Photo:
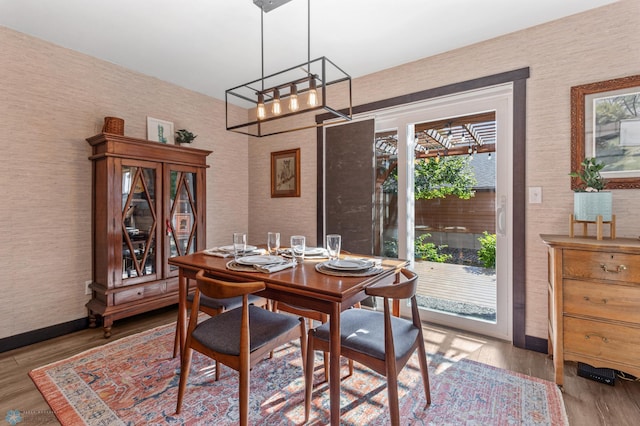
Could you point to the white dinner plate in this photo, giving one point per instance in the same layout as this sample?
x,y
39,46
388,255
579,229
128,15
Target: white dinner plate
x,y
349,264
259,260
314,251
231,249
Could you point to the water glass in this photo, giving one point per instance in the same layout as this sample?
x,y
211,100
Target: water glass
x,y
273,243
333,246
297,248
239,244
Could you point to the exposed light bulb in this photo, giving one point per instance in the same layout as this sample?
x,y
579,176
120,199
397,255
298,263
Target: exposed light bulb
x,y
313,93
293,99
275,108
261,113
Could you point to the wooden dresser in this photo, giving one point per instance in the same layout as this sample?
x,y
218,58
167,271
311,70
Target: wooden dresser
x,y
594,302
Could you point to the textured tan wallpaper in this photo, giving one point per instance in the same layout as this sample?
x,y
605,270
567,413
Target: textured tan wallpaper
x,y
593,46
52,98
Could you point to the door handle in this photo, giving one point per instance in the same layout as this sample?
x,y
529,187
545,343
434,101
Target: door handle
x,y
501,214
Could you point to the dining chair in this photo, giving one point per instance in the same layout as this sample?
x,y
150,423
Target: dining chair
x,y
378,340
213,307
311,316
238,338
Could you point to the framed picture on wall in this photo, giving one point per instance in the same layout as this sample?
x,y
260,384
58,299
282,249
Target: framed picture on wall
x,y
605,124
285,173
159,130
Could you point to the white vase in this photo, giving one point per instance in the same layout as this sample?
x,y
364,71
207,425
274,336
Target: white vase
x,y
588,205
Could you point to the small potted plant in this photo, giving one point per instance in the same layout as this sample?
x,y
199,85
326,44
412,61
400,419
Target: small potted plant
x,y
589,199
184,136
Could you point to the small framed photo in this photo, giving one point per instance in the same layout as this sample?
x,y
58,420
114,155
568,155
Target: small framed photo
x,y
183,224
160,130
285,173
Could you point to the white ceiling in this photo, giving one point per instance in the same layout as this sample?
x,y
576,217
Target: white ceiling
x,y
212,45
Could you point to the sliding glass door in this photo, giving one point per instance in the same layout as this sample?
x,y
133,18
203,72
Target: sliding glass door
x,y
450,192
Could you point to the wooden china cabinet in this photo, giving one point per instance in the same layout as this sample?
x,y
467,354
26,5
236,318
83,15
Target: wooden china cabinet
x,y
148,205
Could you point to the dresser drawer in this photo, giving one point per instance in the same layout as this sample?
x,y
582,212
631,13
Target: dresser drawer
x,y
610,301
610,342
600,265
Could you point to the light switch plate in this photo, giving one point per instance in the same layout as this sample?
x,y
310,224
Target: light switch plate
x,y
535,195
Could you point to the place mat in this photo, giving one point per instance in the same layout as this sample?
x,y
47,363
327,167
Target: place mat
x,y
320,267
232,265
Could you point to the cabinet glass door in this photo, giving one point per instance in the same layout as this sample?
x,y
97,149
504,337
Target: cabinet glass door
x,y
139,221
183,208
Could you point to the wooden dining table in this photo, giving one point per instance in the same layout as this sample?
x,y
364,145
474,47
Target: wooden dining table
x,y
301,285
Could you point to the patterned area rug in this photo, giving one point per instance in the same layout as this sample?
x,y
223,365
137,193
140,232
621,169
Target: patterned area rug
x,y
134,380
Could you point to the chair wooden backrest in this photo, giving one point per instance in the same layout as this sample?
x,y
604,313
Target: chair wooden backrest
x,y
405,289
216,305
216,338
360,340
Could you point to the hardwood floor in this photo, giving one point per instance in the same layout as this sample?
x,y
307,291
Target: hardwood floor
x,y
587,402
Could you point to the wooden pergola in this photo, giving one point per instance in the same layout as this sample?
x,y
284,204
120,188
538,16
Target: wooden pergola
x,y
452,136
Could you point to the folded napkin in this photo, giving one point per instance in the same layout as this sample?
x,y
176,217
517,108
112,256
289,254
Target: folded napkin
x,y
217,252
275,267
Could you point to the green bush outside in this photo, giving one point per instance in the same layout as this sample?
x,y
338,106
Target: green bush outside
x,y
429,251
423,250
487,252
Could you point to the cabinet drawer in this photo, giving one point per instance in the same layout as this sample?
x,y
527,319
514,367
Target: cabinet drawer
x,y
172,285
592,265
610,342
128,295
138,293
610,301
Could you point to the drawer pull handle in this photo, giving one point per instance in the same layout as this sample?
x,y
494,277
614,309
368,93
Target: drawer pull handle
x,y
588,299
619,269
604,339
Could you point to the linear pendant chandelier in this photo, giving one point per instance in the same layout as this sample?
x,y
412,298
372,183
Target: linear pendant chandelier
x,y
289,100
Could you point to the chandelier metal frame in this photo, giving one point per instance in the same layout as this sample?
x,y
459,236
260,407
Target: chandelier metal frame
x,y
275,101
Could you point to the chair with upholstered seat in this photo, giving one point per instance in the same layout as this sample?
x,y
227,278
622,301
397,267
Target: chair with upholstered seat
x,y
238,338
378,340
213,307
311,316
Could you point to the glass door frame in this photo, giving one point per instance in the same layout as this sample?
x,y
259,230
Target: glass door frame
x,y
120,164
198,234
403,120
